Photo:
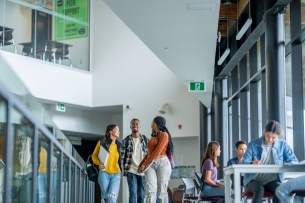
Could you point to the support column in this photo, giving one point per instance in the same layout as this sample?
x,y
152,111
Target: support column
x,y
275,63
203,129
224,123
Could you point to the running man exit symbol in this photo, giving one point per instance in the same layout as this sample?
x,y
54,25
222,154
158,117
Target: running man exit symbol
x,y
197,87
61,107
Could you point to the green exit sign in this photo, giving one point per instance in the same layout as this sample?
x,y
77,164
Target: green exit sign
x,y
197,86
60,107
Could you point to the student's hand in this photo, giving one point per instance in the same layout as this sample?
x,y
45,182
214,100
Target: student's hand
x,y
221,186
101,166
141,169
256,162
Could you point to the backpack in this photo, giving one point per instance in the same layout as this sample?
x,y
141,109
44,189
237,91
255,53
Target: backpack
x,y
92,170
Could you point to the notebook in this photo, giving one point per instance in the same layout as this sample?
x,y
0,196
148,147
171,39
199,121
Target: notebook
x,y
103,156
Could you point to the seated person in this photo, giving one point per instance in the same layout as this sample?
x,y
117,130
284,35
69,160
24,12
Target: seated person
x,y
283,191
209,171
240,148
267,150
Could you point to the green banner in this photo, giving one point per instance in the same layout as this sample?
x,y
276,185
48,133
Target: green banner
x,y
71,19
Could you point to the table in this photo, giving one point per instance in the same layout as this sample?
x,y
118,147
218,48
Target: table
x,y
45,45
237,169
3,28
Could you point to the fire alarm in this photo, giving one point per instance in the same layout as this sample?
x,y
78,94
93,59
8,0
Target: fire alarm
x,y
179,126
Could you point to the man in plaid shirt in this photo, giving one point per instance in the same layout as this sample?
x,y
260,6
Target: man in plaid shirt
x,y
134,148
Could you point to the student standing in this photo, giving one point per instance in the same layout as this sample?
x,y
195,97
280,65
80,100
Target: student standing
x,y
134,148
158,174
267,150
109,176
209,171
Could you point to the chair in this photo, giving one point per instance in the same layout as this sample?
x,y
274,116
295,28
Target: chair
x,y
61,54
176,195
298,193
204,198
189,194
6,38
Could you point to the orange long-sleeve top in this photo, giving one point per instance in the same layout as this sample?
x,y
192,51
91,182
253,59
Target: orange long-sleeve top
x,y
156,146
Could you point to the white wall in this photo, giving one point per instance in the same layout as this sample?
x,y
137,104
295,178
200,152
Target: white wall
x,y
78,120
51,81
18,18
125,71
188,149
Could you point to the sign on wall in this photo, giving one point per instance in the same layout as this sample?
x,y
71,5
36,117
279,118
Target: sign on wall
x,y
61,107
197,86
71,19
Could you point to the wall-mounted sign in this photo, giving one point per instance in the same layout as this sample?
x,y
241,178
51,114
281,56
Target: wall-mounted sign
x,y
197,86
61,107
72,21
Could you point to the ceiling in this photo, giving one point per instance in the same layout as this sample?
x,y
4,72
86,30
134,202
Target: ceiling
x,y
183,39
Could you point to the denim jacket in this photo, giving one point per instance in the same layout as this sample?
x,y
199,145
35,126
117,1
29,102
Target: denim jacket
x,y
282,153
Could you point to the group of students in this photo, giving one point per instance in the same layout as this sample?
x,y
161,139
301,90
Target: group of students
x,y
144,161
266,150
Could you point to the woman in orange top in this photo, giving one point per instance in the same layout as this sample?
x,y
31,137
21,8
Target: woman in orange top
x,y
109,176
158,173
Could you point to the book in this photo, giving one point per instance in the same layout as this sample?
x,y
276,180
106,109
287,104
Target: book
x,y
103,156
149,165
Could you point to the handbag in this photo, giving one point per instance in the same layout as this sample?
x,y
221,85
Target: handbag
x,y
171,159
92,170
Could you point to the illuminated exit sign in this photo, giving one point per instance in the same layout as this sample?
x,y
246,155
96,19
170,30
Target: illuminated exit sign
x,y
197,86
61,107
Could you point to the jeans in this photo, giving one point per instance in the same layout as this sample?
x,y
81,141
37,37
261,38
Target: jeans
x,y
42,186
283,191
136,185
258,190
209,190
157,177
110,185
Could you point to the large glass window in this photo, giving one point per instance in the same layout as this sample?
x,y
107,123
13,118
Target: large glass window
x,y
3,135
55,31
303,13
22,157
289,118
287,25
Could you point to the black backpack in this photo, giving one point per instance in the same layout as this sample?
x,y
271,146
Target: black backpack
x,y
92,170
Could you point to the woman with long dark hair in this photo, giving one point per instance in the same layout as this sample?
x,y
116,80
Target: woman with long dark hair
x,y
209,171
109,176
158,174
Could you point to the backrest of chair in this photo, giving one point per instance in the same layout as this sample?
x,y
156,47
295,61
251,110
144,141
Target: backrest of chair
x,y
189,186
198,177
7,35
62,51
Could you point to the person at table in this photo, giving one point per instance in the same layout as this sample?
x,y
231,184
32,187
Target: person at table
x,y
209,171
240,148
283,191
267,150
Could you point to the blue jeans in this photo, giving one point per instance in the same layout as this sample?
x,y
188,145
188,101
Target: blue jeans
x,y
110,185
42,187
283,191
136,185
208,190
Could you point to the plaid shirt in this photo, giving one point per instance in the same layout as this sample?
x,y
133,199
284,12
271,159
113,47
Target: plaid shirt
x,y
127,151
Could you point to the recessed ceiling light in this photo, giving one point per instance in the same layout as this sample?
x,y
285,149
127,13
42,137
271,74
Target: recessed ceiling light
x,y
206,7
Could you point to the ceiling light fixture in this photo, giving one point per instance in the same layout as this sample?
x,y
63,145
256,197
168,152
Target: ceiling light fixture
x,y
227,51
246,26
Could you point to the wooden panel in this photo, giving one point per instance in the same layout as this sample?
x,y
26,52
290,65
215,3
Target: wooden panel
x,y
222,27
232,10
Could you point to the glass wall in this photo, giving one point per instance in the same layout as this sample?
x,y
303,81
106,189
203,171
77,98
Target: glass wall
x,y
40,155
55,31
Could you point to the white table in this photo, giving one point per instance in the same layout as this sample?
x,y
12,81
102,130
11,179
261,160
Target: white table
x,y
237,169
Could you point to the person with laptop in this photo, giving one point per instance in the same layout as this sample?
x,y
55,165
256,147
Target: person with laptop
x,y
109,177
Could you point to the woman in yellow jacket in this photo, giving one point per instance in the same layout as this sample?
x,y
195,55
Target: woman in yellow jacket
x,y
109,176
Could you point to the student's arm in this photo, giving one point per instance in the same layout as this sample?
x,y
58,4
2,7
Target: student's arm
x,y
208,180
289,156
94,156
